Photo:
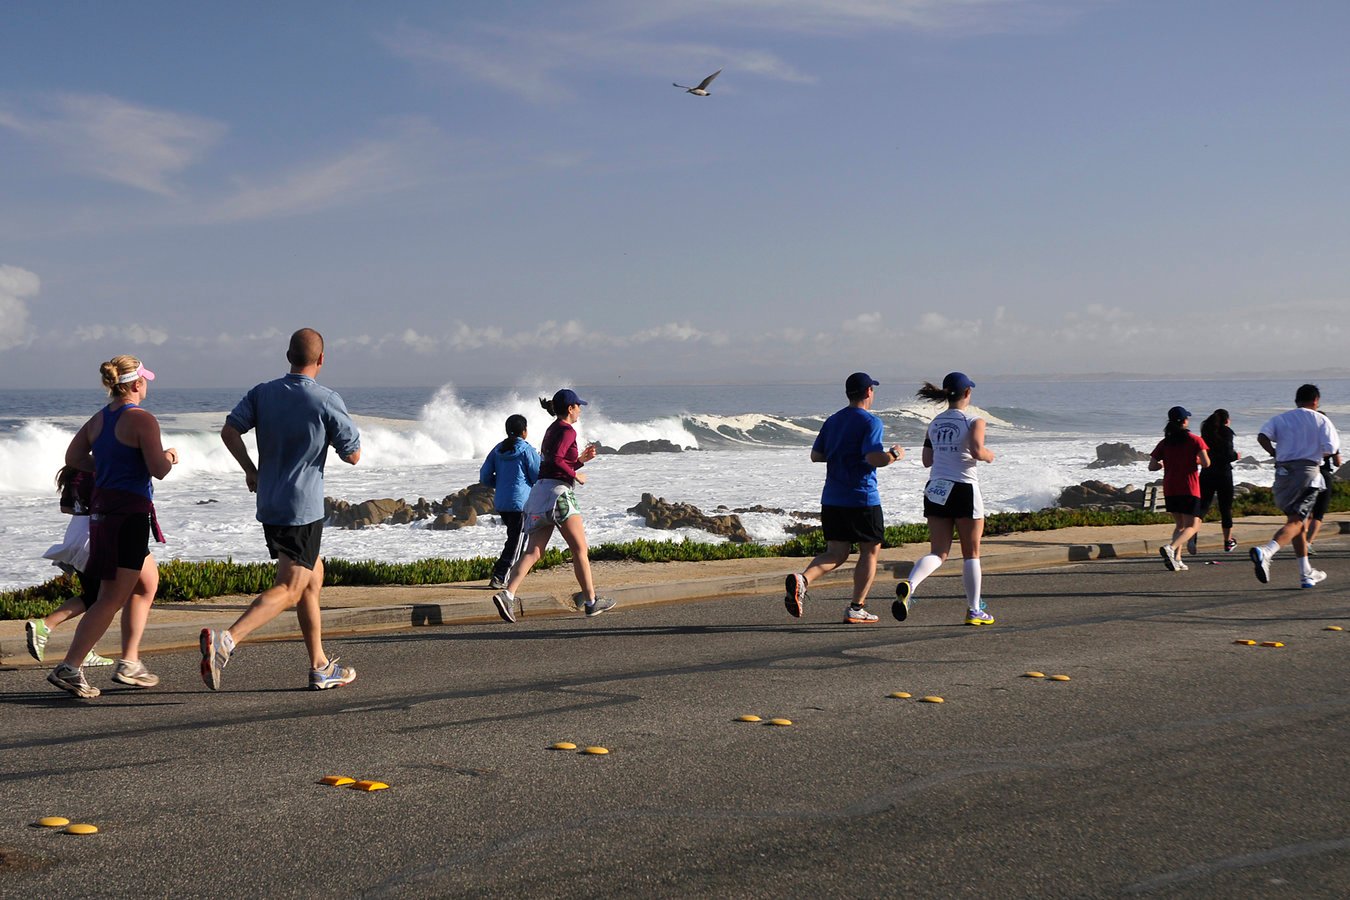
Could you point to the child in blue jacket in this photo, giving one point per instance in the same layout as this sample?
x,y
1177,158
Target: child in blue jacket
x,y
511,468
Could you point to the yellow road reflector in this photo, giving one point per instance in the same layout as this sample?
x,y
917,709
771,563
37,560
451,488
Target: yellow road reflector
x,y
1033,674
780,722
52,821
336,780
368,786
563,745
748,719
1246,643
81,829
1333,628
595,751
1060,678
900,695
1271,644
931,700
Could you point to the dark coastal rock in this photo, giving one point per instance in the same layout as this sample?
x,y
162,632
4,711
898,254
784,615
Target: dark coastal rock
x,y
1247,462
458,510
757,508
1117,454
1100,495
604,450
657,512
657,446
342,514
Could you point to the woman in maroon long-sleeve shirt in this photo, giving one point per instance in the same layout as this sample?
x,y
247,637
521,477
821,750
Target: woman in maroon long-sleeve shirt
x,y
552,504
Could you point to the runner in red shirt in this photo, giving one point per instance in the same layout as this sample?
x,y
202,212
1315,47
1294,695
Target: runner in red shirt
x,y
1178,454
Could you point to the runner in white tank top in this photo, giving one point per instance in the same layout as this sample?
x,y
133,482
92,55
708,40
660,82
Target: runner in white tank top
x,y
952,499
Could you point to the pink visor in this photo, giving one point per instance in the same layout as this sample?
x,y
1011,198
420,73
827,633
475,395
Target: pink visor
x,y
141,372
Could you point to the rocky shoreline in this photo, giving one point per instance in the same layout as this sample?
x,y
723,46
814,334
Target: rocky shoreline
x,y
463,508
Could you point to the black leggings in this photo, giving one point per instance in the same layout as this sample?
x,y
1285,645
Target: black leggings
x,y
1217,484
514,522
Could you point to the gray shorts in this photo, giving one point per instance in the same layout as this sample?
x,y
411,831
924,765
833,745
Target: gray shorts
x,y
1297,486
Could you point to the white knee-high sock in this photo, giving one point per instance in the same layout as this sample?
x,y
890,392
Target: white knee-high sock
x,y
972,576
925,566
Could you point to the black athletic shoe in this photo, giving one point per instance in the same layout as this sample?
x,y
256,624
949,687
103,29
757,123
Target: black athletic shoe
x,y
900,608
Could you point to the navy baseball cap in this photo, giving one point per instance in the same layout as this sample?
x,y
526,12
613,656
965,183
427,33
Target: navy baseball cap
x,y
859,382
565,398
957,382
1178,413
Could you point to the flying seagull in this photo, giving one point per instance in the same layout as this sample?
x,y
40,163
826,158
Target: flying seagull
x,y
702,89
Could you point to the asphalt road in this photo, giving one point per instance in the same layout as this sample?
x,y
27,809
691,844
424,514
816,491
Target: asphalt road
x,y
1174,763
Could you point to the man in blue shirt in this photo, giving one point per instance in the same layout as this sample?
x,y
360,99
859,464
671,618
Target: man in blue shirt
x,y
850,445
296,420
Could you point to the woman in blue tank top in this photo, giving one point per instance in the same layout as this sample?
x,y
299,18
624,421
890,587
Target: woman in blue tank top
x,y
121,445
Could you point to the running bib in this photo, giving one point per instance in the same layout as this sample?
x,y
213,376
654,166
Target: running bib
x,y
938,490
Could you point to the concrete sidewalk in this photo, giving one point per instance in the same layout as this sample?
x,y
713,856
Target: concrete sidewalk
x,y
348,610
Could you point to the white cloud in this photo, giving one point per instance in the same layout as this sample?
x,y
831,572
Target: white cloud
x,y
418,343
112,139
543,66
864,323
134,334
16,285
853,16
372,168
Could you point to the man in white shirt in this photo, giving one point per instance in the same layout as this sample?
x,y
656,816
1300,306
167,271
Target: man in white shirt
x,y
1299,440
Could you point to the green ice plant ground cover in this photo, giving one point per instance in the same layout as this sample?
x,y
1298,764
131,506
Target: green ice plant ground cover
x,y
186,581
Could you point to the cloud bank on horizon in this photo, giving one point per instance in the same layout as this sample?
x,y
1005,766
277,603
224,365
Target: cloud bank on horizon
x,y
469,194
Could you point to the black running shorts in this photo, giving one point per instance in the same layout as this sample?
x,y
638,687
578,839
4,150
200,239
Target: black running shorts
x,y
1185,504
960,504
300,543
853,524
133,542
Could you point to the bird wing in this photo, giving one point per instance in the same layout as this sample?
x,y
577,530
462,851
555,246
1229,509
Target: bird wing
x,y
703,85
685,86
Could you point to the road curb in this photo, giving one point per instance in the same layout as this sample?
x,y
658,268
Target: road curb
x,y
349,620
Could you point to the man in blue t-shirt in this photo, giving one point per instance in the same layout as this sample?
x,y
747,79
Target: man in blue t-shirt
x,y
850,445
296,420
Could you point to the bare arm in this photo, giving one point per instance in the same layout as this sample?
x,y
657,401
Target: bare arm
x,y
352,458
234,442
1204,459
1266,444
977,447
879,459
817,456
80,453
145,428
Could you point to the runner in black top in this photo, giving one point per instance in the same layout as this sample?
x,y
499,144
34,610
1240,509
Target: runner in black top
x,y
1216,479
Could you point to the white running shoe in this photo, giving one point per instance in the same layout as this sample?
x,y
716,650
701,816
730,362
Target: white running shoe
x,y
858,615
71,680
508,606
1169,557
1313,578
134,674
978,617
1262,564
214,656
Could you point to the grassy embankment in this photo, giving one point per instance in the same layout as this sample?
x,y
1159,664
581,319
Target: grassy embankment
x,y
179,580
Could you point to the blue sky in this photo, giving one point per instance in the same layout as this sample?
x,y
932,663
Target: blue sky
x,y
497,193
